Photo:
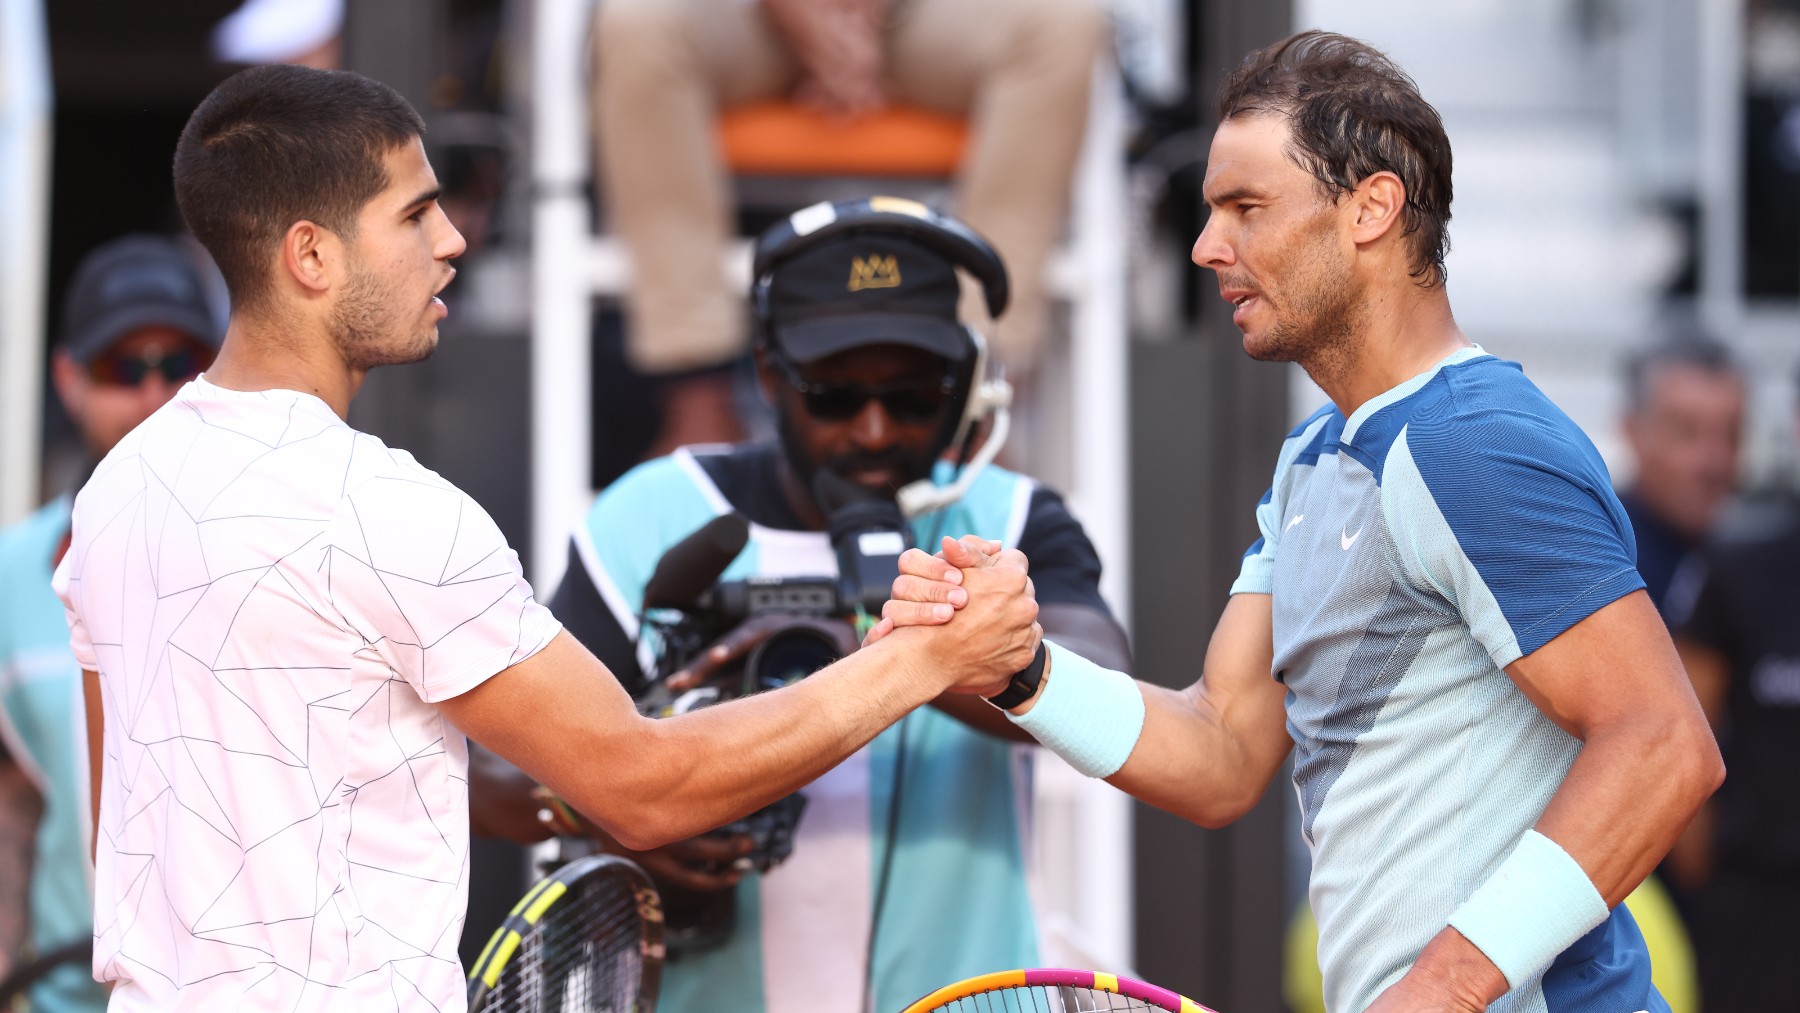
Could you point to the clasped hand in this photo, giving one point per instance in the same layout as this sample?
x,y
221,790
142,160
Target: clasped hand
x,y
977,605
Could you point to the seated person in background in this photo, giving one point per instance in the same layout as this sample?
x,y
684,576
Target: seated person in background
x,y
861,353
1684,421
1018,68
1741,645
135,327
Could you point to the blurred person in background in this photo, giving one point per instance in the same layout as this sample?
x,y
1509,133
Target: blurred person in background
x,y
306,33
136,325
869,385
1740,642
1684,422
1020,69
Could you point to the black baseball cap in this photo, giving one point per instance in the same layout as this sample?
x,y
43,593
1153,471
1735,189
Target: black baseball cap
x,y
865,289
133,282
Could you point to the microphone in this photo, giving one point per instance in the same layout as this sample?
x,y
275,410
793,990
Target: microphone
x,y
868,534
688,570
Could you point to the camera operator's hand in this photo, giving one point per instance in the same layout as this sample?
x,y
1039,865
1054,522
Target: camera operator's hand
x,y
705,864
995,632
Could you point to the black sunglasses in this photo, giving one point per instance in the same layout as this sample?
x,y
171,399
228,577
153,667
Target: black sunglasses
x,y
911,401
177,365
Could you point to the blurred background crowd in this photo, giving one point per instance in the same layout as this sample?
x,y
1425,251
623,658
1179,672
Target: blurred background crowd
x,y
1627,226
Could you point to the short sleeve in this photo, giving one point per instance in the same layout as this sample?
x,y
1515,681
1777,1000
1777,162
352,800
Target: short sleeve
x,y
63,583
1512,518
1256,575
423,574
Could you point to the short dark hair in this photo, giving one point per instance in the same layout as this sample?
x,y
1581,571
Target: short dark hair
x,y
276,144
1683,345
1353,112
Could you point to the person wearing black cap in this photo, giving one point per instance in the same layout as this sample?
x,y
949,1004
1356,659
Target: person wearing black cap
x,y
908,866
136,325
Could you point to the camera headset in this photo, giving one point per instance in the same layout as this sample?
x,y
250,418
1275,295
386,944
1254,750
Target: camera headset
x,y
982,395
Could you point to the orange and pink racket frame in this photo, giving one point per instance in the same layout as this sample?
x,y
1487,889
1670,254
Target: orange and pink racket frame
x,y
1157,997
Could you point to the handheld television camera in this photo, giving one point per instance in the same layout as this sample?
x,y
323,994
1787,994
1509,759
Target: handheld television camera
x,y
811,622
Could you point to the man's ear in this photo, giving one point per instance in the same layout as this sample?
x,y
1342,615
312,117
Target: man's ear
x,y
1377,205
72,383
311,254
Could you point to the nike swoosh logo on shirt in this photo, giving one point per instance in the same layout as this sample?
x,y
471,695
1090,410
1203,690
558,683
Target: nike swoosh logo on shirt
x,y
1346,541
1297,519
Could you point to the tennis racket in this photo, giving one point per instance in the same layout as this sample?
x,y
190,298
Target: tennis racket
x,y
1052,991
585,939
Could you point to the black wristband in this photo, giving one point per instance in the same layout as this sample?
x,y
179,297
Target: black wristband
x,y
1024,682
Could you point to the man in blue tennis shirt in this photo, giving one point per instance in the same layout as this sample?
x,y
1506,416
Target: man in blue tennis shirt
x,y
870,372
1493,738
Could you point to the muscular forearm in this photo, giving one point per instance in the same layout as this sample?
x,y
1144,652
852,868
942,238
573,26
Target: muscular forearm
x,y
1647,762
704,769
649,782
1648,759
1197,759
1629,795
1208,752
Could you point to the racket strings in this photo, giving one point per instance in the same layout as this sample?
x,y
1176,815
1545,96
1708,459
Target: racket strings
x,y
1044,999
584,954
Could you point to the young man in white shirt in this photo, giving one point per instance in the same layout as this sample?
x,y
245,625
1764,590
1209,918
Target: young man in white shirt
x,y
287,627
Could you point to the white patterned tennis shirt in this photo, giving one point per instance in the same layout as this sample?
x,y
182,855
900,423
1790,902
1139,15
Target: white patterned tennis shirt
x,y
274,601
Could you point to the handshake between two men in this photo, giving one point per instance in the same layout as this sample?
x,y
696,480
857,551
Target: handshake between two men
x,y
934,592
960,627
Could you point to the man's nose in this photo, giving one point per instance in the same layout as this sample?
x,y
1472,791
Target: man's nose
x,y
450,243
872,428
154,390
1210,249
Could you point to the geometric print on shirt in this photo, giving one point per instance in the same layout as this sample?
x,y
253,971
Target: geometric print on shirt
x,y
274,601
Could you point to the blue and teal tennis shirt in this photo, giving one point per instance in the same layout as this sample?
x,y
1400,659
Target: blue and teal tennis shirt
x,y
1446,529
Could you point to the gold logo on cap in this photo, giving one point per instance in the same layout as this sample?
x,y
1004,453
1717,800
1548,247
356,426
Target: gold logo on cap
x,y
874,271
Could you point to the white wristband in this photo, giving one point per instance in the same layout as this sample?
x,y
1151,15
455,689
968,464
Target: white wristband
x,y
1088,715
1534,906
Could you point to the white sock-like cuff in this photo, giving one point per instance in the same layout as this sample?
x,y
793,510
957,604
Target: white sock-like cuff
x,y
1534,906
1088,715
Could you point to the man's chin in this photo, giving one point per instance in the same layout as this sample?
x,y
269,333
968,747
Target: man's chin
x,y
877,481
418,351
1264,347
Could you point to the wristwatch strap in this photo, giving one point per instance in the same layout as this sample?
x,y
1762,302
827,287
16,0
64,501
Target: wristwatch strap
x,y
1024,682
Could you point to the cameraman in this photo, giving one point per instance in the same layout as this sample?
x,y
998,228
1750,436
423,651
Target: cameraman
x,y
908,870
